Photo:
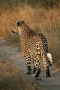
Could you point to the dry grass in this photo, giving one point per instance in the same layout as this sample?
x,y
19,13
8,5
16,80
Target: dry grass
x,y
41,20
12,79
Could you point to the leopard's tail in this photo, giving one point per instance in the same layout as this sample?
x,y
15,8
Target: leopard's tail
x,y
50,58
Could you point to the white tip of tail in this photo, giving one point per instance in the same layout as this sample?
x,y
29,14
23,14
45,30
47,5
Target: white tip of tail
x,y
50,57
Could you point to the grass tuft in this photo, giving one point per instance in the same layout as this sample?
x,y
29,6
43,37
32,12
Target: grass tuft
x,y
12,79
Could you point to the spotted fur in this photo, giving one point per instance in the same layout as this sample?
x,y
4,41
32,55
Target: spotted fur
x,y
34,45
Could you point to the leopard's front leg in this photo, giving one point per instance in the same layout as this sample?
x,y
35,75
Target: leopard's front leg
x,y
28,62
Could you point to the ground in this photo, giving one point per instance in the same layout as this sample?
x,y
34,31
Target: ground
x,y
12,54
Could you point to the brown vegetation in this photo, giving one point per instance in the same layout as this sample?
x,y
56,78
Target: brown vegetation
x,y
38,18
12,79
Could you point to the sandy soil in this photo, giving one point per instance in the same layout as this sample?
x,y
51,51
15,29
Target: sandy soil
x,y
10,54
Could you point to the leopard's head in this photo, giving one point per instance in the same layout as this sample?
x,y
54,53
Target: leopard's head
x,y
17,27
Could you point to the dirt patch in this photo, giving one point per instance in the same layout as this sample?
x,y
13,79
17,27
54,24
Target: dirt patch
x,y
10,54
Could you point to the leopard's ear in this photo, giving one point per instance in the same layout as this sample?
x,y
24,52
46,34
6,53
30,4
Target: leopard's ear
x,y
22,21
18,23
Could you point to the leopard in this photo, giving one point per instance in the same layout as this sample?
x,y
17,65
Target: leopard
x,y
34,45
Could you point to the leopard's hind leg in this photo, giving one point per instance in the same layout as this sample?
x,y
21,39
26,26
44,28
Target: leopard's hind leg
x,y
36,62
46,63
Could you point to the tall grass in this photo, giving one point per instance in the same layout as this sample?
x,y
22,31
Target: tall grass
x,y
12,79
38,18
